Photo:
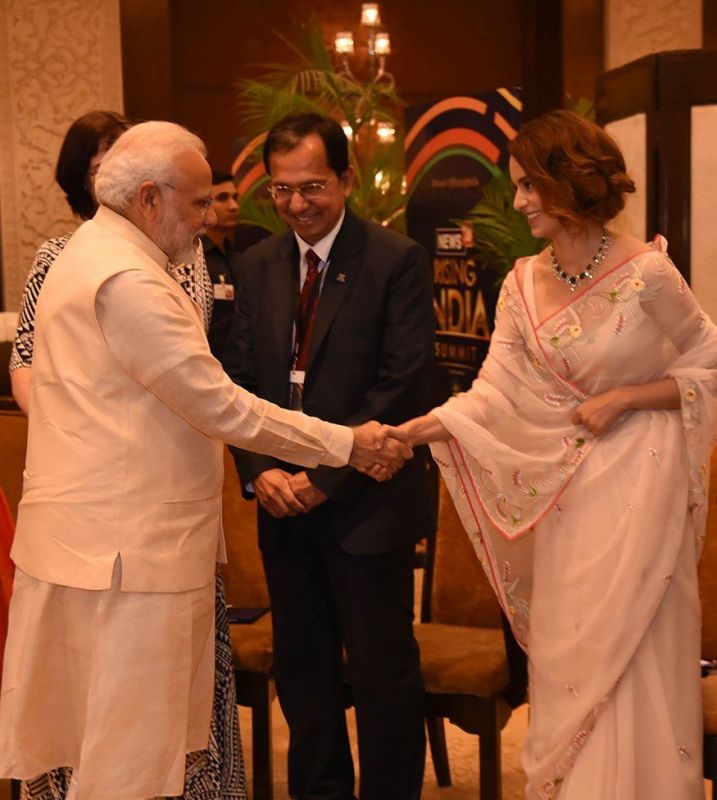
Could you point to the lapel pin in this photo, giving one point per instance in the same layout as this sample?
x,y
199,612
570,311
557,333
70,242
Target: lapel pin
x,y
341,277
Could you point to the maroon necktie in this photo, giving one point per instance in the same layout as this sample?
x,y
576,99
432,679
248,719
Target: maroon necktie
x,y
308,305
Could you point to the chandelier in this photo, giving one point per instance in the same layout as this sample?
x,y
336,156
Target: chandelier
x,y
378,42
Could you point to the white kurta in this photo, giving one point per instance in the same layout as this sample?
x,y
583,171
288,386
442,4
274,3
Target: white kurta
x,y
109,659
117,685
591,544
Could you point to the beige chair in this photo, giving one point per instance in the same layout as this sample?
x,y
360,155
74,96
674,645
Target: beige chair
x,y
251,642
468,674
708,598
13,436
7,402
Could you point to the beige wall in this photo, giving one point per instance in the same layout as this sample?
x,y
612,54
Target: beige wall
x,y
636,28
630,133
58,60
704,180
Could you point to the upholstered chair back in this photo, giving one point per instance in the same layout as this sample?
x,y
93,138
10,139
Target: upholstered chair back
x,y
244,574
461,594
13,443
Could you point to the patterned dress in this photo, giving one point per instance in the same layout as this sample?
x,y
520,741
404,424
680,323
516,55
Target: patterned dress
x,y
591,544
216,773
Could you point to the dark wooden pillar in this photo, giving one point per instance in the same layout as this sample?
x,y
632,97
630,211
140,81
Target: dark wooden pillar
x,y
583,49
146,59
542,24
709,23
563,53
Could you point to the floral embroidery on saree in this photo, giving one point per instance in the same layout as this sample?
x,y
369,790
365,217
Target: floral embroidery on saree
x,y
514,459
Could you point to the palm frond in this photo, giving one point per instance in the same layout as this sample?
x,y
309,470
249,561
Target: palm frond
x,y
308,81
261,105
583,107
260,212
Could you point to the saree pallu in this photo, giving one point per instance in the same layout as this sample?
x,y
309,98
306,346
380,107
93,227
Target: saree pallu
x,y
591,544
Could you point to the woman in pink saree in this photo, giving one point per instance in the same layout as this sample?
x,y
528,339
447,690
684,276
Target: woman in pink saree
x,y
578,462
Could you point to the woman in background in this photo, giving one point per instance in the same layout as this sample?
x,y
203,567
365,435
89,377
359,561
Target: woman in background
x,y
83,148
218,772
579,462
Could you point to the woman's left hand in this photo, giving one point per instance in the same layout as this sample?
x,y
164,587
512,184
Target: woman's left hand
x,y
598,413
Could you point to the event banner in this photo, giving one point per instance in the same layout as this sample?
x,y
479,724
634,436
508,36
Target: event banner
x,y
453,148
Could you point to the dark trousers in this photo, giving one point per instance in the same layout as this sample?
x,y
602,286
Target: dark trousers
x,y
323,598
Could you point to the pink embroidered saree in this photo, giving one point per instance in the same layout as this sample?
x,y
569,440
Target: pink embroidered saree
x,y
591,544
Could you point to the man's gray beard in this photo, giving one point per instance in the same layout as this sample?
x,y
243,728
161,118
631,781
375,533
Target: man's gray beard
x,y
185,255
178,253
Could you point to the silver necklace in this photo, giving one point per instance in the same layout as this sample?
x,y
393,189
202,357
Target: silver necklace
x,y
575,281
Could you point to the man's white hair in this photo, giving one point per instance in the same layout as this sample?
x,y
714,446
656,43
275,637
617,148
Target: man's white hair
x,y
145,152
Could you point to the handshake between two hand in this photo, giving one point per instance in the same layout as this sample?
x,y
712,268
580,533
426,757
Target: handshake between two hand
x,y
379,450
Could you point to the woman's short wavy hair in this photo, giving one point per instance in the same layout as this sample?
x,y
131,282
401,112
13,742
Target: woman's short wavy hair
x,y
84,139
576,167
146,152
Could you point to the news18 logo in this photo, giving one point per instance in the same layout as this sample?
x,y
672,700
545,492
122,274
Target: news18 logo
x,y
454,241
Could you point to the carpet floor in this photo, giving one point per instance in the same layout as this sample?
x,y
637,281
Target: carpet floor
x,y
462,753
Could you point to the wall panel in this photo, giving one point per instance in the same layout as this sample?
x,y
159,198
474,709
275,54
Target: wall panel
x,y
58,60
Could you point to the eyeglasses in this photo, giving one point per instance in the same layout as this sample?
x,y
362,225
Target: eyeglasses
x,y
202,204
309,191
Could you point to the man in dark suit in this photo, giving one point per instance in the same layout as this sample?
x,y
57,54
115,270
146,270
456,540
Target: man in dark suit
x,y
218,243
336,316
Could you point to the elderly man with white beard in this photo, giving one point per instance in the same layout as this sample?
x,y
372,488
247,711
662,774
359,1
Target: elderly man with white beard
x,y
109,658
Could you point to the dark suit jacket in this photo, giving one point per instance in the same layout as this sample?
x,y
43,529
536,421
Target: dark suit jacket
x,y
371,357
221,267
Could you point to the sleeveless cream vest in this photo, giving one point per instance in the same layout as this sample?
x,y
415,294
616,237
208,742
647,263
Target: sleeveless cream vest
x,y
110,469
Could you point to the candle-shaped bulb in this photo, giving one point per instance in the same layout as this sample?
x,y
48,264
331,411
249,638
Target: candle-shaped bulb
x,y
370,15
344,42
383,44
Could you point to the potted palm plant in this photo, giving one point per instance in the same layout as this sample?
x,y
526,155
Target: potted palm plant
x,y
307,80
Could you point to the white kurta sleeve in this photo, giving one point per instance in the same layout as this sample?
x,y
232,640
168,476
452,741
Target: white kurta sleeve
x,y
160,346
